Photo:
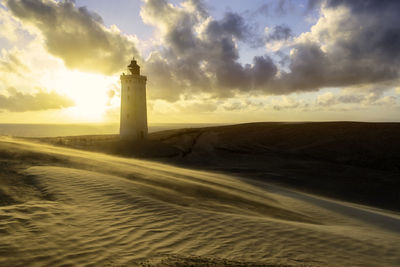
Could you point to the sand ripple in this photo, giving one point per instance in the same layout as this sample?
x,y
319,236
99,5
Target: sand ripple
x,y
141,213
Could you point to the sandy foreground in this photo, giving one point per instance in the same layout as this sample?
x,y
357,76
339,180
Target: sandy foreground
x,y
62,206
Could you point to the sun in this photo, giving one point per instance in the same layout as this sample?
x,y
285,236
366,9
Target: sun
x,y
89,91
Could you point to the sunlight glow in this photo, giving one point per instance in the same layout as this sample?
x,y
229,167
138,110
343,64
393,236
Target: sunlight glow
x,y
89,91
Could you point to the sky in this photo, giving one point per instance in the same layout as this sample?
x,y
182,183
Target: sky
x,y
226,61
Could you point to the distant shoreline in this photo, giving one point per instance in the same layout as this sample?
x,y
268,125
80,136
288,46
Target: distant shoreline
x,y
78,129
55,130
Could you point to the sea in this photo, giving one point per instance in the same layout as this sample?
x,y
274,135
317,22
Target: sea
x,y
53,130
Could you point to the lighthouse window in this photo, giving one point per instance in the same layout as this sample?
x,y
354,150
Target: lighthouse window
x,y
127,116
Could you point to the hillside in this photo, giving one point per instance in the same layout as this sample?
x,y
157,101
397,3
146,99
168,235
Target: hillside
x,y
348,160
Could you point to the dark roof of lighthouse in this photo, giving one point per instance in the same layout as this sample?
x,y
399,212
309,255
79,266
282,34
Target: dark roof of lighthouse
x,y
133,63
134,68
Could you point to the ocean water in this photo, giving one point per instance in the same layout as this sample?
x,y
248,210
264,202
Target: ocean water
x,y
52,130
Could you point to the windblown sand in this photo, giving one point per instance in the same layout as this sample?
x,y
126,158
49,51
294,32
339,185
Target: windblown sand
x,y
84,208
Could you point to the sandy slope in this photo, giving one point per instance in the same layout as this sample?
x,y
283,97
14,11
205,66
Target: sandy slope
x,y
99,209
354,161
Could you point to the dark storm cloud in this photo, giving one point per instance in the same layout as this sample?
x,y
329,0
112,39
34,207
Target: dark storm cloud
x,y
262,71
19,102
364,5
207,60
354,43
279,33
381,36
75,35
232,24
350,49
362,46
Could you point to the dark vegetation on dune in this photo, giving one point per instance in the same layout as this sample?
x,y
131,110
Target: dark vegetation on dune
x,y
352,161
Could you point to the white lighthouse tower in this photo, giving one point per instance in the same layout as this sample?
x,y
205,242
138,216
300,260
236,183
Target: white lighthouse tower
x,y
133,124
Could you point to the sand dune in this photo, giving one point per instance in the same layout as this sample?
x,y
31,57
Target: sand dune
x,y
353,161
86,208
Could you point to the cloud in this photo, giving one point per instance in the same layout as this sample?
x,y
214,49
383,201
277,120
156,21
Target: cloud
x,y
327,99
10,63
9,27
237,105
350,45
287,102
198,107
278,37
242,104
279,33
199,53
388,101
75,34
41,100
349,96
353,43
232,24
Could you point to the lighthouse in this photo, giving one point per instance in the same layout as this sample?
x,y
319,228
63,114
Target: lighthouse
x,y
133,121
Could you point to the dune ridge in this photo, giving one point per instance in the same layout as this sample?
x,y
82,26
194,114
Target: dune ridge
x,y
359,161
88,208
